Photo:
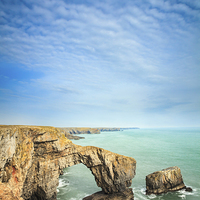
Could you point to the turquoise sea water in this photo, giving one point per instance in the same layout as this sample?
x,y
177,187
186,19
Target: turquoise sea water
x,y
153,149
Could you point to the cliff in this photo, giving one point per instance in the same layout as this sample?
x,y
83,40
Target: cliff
x,y
70,133
32,158
81,130
108,129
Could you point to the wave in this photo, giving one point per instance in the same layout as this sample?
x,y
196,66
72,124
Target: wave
x,y
140,194
183,194
62,183
80,196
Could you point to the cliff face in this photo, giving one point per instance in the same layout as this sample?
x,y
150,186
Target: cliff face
x,y
32,158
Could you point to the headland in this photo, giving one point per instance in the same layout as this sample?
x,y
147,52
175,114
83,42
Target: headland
x,y
33,157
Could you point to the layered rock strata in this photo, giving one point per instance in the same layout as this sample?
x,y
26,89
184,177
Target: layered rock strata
x,y
167,180
32,158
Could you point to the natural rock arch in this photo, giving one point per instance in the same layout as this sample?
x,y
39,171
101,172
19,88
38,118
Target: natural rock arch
x,y
33,158
76,178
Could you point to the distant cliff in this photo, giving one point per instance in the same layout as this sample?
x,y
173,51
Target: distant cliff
x,y
71,132
81,130
128,128
32,158
108,129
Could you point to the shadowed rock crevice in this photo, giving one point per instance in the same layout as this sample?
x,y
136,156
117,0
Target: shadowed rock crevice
x,y
38,155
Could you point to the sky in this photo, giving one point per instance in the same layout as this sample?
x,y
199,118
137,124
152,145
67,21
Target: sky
x,y
102,63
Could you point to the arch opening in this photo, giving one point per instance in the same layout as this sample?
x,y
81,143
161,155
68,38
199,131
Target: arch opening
x,y
76,182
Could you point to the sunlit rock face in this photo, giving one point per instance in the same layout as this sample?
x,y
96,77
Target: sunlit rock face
x,y
32,158
113,172
167,180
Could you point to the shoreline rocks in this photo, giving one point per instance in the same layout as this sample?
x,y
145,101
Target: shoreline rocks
x,y
125,195
164,181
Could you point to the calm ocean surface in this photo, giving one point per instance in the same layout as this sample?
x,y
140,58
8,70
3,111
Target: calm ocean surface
x,y
153,149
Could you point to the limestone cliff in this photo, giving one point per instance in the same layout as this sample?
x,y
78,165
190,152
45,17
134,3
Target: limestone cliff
x,y
32,158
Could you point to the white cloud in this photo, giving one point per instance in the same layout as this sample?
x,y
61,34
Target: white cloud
x,y
102,54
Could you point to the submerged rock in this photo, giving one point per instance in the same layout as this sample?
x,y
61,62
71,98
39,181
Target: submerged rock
x,y
32,158
167,180
188,189
126,195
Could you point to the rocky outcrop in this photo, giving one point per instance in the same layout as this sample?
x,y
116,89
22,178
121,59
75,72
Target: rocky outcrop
x,y
32,158
167,180
125,195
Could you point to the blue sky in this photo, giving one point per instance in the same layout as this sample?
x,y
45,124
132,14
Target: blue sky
x,y
100,63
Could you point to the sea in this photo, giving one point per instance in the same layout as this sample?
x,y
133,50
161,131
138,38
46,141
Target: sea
x,y
153,149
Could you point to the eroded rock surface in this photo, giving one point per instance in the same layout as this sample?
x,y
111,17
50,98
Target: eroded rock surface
x,y
125,195
167,180
32,158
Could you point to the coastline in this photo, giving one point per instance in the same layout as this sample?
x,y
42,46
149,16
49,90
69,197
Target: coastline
x,y
33,157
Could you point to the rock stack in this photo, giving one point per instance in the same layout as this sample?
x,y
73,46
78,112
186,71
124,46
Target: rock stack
x,y
163,181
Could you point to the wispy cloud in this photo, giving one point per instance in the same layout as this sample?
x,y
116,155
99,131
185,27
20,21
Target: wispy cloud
x,y
117,56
